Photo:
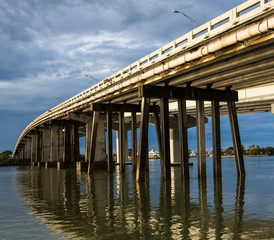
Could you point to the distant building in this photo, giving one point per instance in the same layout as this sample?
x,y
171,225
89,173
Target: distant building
x,y
153,154
193,154
227,152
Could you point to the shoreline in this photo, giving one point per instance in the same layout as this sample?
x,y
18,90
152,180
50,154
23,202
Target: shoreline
x,y
232,156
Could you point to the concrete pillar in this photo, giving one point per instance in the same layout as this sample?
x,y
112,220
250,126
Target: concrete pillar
x,y
175,153
201,146
34,147
39,146
74,142
60,143
117,147
46,145
272,108
25,156
100,150
126,145
88,138
67,150
54,141
29,149
22,151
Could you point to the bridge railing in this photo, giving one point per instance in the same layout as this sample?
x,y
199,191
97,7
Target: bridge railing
x,y
238,15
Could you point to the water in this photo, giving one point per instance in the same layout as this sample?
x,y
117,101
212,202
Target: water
x,y
65,204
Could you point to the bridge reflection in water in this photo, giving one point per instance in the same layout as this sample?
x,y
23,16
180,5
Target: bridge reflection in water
x,y
105,206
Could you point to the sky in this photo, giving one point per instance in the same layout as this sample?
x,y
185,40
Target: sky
x,y
47,47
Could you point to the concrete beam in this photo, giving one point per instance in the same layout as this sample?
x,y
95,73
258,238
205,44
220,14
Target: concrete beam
x,y
113,107
187,93
79,117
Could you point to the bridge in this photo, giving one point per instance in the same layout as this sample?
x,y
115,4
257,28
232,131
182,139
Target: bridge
x,y
224,66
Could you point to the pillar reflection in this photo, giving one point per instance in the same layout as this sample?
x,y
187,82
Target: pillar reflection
x,y
204,215
218,202
116,205
239,207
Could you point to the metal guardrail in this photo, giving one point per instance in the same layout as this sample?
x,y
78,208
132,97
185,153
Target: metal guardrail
x,y
238,15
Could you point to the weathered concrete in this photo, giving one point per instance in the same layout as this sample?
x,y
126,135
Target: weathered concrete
x,y
54,151
34,148
100,151
46,145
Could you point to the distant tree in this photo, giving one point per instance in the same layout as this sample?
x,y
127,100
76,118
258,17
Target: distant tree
x,y
269,151
5,155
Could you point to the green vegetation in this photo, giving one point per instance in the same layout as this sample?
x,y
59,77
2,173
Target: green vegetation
x,y
251,151
5,155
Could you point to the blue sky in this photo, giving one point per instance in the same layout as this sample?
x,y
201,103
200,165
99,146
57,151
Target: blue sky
x,y
47,47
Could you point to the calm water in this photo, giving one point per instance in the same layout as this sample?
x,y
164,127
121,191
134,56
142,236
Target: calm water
x,y
65,204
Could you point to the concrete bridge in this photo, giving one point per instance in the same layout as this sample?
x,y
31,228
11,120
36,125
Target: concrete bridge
x,y
224,66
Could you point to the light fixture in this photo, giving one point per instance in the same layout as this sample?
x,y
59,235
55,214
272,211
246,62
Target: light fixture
x,y
189,18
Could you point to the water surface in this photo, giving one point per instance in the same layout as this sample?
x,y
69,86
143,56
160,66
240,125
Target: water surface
x,y
39,203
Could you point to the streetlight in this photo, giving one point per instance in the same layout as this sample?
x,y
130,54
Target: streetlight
x,y
92,78
189,18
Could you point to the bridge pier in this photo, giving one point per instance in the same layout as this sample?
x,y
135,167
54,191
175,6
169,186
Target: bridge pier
x,y
58,142
199,95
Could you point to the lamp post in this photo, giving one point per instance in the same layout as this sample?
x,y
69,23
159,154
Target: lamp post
x,y
92,78
189,18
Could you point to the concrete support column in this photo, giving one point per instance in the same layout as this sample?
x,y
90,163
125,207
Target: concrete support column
x,y
67,150
134,141
22,152
54,153
46,145
236,138
60,143
34,148
88,138
201,138
175,153
25,151
29,148
100,150
121,142
126,145
74,142
216,139
109,142
142,160
183,139
272,108
164,111
39,146
117,147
